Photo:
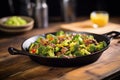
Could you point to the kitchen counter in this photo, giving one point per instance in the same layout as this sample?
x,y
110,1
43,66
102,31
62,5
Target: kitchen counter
x,y
20,67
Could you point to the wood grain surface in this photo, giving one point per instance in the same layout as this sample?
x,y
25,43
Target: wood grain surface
x,y
18,67
87,26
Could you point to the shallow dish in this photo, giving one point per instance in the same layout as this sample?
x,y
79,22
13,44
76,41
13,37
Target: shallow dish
x,y
64,62
20,28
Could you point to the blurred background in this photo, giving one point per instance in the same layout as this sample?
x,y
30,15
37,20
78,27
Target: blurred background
x,y
82,8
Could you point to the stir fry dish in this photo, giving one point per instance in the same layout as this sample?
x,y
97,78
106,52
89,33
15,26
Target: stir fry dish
x,y
68,45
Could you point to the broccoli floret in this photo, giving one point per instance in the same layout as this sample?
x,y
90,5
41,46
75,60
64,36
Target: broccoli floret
x,y
82,46
84,52
59,33
40,38
42,50
91,47
50,51
52,38
101,45
56,49
78,39
73,46
65,43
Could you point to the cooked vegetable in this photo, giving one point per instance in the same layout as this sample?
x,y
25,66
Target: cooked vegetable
x,y
15,21
66,45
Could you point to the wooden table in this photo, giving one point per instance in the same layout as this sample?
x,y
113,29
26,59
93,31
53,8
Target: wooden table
x,y
18,67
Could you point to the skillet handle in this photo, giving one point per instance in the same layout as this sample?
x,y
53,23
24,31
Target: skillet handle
x,y
112,34
15,51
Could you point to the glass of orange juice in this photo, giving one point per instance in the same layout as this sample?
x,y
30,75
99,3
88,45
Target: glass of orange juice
x,y
99,18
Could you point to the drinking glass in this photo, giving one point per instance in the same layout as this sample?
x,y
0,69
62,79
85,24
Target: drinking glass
x,y
99,18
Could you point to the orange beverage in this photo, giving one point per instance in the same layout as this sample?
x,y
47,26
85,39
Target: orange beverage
x,y
99,18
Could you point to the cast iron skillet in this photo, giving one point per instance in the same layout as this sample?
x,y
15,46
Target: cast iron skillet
x,y
65,62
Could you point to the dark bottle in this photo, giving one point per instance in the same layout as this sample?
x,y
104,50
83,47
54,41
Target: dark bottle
x,y
68,10
29,8
40,14
44,13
